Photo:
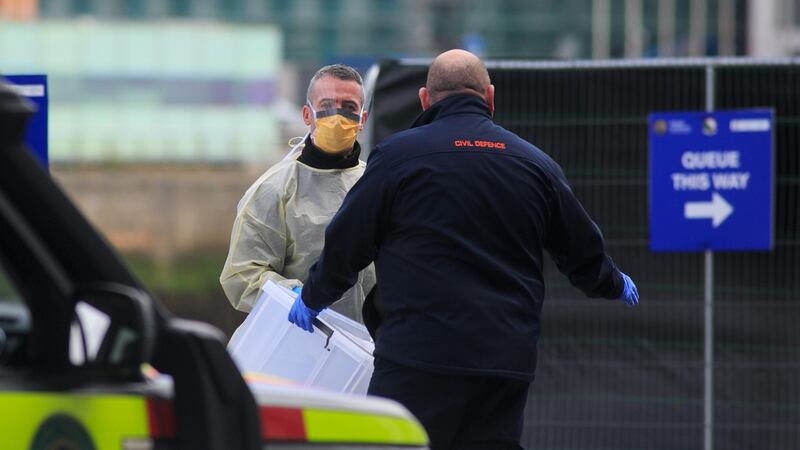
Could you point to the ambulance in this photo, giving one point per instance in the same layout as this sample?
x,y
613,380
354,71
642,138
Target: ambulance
x,y
146,380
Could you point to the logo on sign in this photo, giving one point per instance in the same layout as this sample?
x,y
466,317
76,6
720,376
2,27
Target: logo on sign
x,y
709,126
660,127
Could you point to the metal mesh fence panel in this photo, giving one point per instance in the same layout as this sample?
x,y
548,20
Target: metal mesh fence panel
x,y
611,377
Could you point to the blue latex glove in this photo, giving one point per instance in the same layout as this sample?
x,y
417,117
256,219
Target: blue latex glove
x,y
630,295
301,315
297,289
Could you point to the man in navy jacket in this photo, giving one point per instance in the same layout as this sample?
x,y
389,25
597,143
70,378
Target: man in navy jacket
x,y
456,212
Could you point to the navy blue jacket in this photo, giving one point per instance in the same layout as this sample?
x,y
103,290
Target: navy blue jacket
x,y
455,212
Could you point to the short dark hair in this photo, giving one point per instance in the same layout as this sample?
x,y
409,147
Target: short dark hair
x,y
338,71
456,77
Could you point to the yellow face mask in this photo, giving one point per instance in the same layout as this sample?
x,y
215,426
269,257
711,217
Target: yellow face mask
x,y
336,129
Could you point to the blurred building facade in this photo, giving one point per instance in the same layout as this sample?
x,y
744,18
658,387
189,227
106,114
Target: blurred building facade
x,y
227,77
168,91
774,28
320,30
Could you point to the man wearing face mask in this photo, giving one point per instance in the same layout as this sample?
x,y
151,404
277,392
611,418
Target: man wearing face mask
x,y
280,223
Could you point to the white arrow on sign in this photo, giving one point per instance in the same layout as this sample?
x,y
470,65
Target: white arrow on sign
x,y
717,210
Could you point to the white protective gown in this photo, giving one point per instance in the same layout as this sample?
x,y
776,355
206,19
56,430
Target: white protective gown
x,y
279,232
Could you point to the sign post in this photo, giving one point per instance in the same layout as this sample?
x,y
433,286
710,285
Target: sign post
x,y
34,88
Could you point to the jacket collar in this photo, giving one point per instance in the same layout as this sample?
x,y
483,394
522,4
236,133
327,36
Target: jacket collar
x,y
454,104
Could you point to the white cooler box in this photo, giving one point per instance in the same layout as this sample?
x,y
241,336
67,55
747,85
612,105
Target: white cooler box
x,y
337,356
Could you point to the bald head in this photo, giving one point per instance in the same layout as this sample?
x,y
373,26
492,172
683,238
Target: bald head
x,y
456,72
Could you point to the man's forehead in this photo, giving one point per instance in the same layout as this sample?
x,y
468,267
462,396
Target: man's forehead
x,y
340,90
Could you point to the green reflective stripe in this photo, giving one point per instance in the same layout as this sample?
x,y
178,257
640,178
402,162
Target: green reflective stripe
x,y
336,426
107,418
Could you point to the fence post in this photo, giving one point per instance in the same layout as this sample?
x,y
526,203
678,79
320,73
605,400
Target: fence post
x,y
708,307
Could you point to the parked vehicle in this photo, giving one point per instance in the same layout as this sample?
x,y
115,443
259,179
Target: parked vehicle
x,y
60,387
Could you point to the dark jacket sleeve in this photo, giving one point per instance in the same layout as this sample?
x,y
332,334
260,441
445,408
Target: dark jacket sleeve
x,y
576,244
351,237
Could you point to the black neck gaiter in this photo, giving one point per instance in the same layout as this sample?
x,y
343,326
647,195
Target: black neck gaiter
x,y
318,159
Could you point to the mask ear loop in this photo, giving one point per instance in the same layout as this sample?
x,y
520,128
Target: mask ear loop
x,y
296,148
361,120
296,143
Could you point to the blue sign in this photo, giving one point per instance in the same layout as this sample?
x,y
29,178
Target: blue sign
x,y
34,87
711,180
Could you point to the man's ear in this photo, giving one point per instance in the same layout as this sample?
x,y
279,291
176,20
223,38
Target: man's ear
x,y
363,120
424,98
490,97
307,119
